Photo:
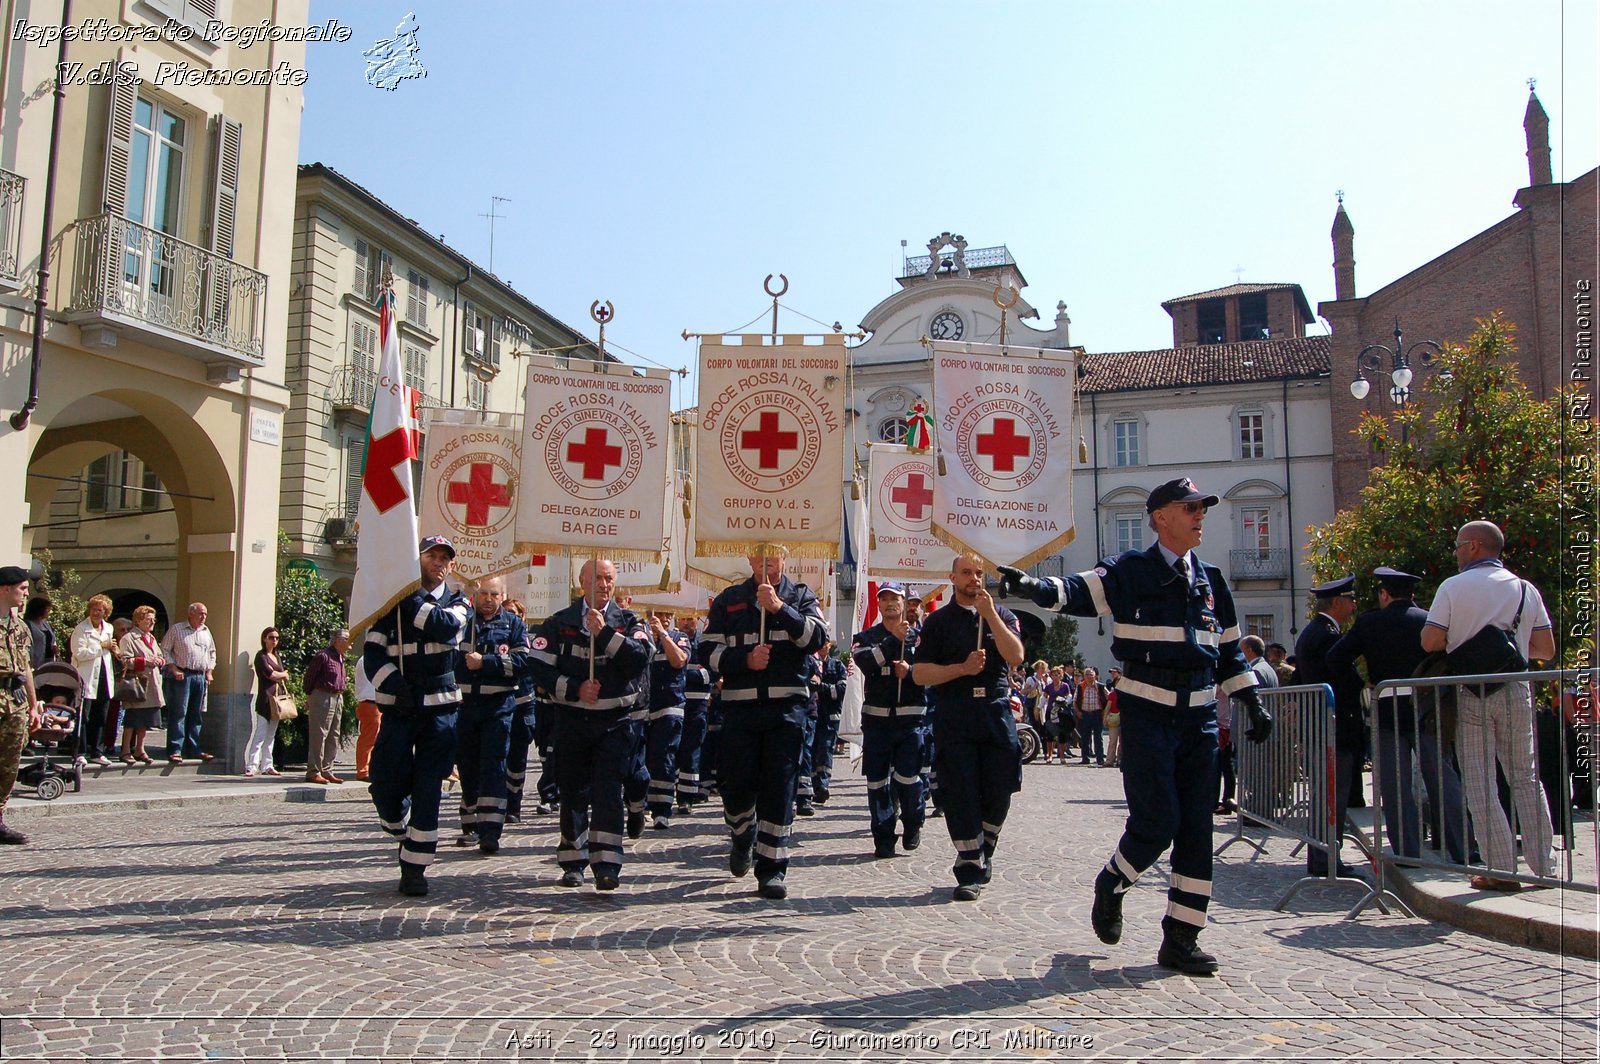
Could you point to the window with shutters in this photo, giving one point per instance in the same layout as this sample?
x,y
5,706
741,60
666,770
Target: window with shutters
x,y
475,392
154,198
372,264
416,369
1255,530
496,335
363,346
191,13
474,333
355,452
120,483
417,299
1259,624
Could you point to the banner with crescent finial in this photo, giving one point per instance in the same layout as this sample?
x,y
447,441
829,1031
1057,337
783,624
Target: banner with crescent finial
x,y
770,445
595,440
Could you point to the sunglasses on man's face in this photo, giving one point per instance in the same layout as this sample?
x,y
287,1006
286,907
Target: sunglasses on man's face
x,y
1193,507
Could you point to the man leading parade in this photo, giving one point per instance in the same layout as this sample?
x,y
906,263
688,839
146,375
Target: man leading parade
x,y
1177,636
759,639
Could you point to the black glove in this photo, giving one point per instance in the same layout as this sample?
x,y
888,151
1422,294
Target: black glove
x,y
1260,720
1017,582
404,702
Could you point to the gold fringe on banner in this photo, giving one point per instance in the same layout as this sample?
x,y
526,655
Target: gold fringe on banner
x,y
955,542
583,553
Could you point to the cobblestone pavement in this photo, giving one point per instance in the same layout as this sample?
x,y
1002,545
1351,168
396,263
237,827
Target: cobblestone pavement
x,y
271,931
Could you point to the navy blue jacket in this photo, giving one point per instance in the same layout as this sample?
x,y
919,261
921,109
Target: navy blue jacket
x,y
668,685
414,645
795,633
500,674
1175,641
875,651
560,653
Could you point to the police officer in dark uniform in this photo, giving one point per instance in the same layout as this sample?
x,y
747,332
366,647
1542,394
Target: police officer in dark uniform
x,y
894,728
494,656
964,654
1175,631
830,711
1389,639
410,659
664,724
596,734
1336,605
758,640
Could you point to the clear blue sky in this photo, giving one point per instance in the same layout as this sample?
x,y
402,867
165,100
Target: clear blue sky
x,y
668,156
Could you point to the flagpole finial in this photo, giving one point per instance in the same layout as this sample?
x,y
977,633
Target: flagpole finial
x,y
388,277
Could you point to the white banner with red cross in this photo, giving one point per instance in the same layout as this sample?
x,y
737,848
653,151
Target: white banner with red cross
x,y
595,439
900,486
1004,425
469,489
770,445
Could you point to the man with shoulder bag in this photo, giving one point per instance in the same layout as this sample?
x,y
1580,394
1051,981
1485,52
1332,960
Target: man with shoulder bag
x,y
1488,620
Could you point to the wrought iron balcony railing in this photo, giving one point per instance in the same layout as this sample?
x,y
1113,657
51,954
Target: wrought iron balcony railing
x,y
352,388
11,187
976,259
1270,563
172,293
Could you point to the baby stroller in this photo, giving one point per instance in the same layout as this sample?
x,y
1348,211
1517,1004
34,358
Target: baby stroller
x,y
43,767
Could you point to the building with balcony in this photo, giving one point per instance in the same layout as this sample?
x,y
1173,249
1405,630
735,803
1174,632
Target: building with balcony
x,y
463,335
144,453
1248,421
1533,265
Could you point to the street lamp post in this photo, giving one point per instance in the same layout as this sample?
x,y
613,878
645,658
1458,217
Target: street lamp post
x,y
1421,355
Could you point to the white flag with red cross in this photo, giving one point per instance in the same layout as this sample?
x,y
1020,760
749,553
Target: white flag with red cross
x,y
770,445
1005,429
595,441
469,489
386,518
900,484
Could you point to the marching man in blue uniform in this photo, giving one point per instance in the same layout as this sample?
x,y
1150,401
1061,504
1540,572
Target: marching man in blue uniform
x,y
758,641
594,718
1175,632
696,728
964,655
664,724
830,712
894,730
494,657
410,658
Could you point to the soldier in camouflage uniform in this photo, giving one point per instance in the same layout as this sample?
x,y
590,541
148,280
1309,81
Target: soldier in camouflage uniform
x,y
19,704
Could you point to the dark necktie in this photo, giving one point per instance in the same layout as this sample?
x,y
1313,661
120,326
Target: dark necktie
x,y
1182,565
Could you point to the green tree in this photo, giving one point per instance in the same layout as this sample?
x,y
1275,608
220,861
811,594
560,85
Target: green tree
x,y
307,614
1059,645
1478,447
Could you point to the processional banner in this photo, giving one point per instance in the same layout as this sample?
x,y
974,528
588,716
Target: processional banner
x,y
770,445
595,439
1004,424
900,487
469,489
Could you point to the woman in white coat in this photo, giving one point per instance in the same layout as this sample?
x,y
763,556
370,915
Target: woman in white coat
x,y
94,655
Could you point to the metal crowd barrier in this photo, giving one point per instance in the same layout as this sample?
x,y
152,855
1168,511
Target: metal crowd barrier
x,y
1285,786
1424,817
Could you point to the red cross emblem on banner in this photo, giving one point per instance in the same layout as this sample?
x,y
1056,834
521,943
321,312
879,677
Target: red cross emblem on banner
x,y
595,454
479,493
1002,446
914,496
768,441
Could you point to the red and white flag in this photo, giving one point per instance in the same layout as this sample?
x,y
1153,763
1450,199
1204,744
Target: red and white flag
x,y
386,519
1004,424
